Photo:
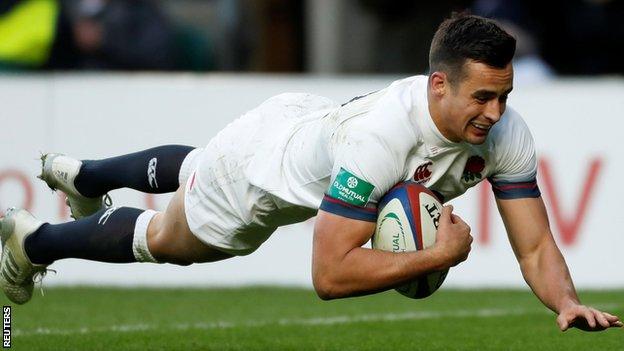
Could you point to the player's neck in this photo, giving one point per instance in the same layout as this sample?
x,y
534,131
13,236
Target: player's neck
x,y
435,111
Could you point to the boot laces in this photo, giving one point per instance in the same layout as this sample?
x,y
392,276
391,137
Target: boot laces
x,y
38,276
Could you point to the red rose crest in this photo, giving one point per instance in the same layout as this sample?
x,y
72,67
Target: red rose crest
x,y
474,166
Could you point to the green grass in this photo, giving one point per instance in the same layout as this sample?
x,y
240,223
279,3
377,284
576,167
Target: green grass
x,y
264,318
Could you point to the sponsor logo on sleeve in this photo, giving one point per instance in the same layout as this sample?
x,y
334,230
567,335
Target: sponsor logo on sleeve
x,y
350,189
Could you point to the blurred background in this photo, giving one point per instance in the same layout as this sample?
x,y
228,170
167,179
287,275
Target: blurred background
x,y
97,78
572,37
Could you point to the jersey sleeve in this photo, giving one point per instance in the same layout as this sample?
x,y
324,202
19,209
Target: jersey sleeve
x,y
516,162
368,161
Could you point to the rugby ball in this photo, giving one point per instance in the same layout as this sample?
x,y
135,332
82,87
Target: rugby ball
x,y
408,220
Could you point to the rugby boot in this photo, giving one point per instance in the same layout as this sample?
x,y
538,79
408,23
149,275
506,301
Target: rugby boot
x,y
17,273
59,172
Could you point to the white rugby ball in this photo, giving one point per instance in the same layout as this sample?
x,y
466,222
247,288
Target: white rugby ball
x,y
408,221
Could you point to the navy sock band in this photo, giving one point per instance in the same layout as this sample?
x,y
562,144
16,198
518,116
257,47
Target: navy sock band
x,y
105,236
154,171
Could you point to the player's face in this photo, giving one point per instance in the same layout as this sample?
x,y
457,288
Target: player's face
x,y
470,107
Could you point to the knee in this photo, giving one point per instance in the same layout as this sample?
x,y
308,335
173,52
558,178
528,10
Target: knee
x,y
164,250
162,244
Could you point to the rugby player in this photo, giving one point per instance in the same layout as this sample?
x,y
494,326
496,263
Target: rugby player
x,y
300,155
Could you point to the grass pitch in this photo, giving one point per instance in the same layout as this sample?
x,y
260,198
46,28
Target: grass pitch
x,y
264,318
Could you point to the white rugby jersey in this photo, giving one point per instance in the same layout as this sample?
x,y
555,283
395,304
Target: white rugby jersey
x,y
343,159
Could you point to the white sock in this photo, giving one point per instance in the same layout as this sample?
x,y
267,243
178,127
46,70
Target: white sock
x,y
139,241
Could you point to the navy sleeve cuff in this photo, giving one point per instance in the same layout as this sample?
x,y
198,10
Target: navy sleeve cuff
x,y
341,208
511,190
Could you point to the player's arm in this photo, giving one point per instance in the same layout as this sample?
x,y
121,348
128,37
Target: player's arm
x,y
369,156
341,267
544,267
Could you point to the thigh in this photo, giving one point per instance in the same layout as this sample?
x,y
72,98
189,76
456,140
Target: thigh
x,y
171,240
224,211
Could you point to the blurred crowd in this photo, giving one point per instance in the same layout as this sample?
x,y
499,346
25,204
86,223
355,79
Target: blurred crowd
x,y
97,35
571,37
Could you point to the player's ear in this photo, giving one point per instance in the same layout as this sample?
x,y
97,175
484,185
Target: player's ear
x,y
438,81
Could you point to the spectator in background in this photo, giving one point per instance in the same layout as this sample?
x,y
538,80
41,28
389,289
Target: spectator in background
x,y
529,66
579,37
122,35
582,36
406,28
27,33
97,34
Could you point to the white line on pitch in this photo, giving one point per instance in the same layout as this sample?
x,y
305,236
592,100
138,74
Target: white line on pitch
x,y
344,319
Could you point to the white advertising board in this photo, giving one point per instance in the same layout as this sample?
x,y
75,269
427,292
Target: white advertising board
x,y
576,125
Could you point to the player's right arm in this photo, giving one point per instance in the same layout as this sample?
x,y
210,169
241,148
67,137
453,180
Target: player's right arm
x,y
369,152
341,267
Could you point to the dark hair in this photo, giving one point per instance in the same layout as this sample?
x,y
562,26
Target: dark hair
x,y
467,37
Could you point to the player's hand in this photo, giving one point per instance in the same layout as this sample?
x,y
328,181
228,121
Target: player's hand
x,y
587,319
453,238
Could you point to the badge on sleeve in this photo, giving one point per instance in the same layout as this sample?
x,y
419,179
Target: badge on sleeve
x,y
351,189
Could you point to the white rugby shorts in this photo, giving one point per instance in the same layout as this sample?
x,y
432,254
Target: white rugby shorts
x,y
223,209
